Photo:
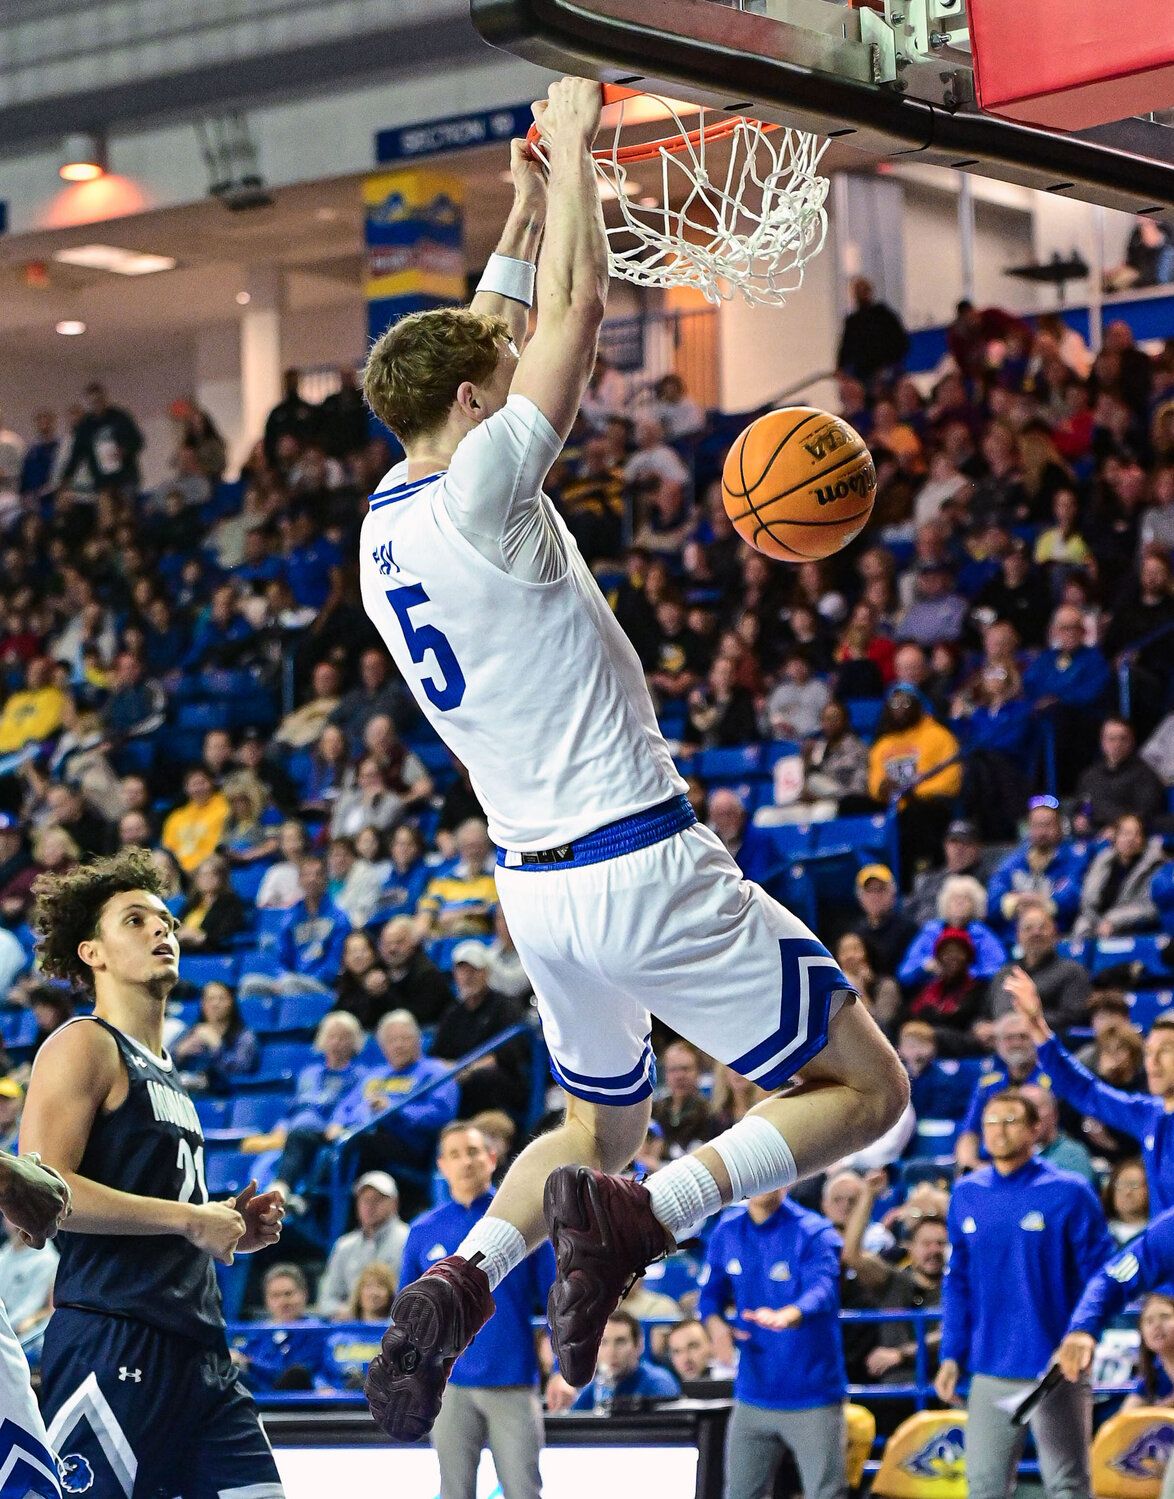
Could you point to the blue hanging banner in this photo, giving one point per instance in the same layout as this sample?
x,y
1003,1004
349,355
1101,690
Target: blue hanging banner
x,y
456,133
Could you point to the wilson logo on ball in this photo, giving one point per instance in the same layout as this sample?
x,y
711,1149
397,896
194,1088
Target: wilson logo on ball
x,y
860,485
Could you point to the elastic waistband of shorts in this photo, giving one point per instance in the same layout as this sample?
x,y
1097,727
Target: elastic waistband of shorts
x,y
641,830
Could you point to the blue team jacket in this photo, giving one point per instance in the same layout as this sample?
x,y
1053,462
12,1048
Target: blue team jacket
x,y
1137,1114
502,1354
1022,1248
312,945
1063,874
1144,1264
793,1259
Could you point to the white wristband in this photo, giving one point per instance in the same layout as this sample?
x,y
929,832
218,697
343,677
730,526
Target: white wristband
x,y
507,277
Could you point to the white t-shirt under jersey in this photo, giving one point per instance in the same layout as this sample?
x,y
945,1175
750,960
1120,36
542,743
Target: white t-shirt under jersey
x,y
501,632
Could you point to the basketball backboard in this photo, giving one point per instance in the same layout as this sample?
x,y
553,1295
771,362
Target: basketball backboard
x,y
899,81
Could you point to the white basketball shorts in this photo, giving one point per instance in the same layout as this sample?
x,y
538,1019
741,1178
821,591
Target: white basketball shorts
x,y
27,1465
651,916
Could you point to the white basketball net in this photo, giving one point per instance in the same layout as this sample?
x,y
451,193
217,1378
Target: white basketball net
x,y
751,228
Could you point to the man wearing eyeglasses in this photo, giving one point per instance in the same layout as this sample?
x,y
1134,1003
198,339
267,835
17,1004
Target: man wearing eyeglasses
x,y
1024,1239
1046,866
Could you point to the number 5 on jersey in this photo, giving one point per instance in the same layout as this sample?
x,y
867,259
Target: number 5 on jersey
x,y
447,692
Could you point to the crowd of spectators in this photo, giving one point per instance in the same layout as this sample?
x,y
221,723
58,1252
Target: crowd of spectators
x,y
191,669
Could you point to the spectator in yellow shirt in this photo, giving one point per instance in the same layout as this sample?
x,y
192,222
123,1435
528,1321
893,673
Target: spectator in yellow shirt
x,y
460,901
193,831
36,711
910,743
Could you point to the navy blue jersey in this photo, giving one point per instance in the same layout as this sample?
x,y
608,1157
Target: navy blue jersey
x,y
151,1145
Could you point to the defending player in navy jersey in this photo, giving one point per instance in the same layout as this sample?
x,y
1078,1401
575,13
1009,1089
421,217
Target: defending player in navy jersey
x,y
139,1393
620,904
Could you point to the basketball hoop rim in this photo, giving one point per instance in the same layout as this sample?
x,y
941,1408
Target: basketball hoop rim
x,y
675,144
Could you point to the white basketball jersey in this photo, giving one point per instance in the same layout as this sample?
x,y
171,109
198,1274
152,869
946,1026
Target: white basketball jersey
x,y
533,685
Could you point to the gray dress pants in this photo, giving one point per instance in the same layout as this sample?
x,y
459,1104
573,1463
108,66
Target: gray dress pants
x,y
755,1440
1061,1426
508,1421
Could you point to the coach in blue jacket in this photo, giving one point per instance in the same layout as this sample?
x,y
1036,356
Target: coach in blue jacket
x,y
1144,1264
1024,1240
1150,1120
492,1394
772,1275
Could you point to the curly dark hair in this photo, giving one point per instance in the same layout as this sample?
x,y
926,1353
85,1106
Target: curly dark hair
x,y
69,907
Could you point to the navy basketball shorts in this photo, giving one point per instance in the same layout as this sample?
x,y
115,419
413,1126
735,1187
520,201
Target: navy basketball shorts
x,y
136,1413
672,930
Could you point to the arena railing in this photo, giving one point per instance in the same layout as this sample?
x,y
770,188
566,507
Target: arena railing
x,y
1128,659
339,1188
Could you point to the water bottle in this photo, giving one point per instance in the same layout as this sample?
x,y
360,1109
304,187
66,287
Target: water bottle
x,y
605,1390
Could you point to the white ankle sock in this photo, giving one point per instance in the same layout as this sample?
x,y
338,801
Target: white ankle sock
x,y
683,1196
499,1243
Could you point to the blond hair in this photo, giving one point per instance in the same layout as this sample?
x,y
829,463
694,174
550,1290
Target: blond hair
x,y
413,372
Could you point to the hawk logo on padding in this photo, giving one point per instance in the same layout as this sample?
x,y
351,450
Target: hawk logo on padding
x,y
1147,1455
384,561
943,1456
75,1473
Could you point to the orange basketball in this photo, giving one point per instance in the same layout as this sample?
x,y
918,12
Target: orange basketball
x,y
799,484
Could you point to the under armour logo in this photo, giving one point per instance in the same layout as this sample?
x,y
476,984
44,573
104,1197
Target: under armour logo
x,y
136,1375
384,561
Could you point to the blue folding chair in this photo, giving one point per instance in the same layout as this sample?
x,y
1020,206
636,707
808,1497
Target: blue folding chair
x,y
281,1061
1113,950
246,879
199,969
260,1013
303,1012
213,1112
226,1172
258,1112
734,764
1147,1004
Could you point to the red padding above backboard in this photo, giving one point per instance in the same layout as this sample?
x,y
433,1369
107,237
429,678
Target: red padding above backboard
x,y
1072,64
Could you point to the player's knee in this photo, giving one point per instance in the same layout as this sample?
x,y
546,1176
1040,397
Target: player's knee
x,y
615,1133
889,1093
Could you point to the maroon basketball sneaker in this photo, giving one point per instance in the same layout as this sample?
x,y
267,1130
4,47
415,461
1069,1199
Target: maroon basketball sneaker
x,y
605,1235
433,1321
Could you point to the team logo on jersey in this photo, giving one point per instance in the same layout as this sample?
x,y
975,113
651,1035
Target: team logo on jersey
x,y
780,1270
437,1252
733,1267
75,1473
969,1226
943,1456
384,561
1148,1142
134,1375
1033,1223
1124,1269
1147,1455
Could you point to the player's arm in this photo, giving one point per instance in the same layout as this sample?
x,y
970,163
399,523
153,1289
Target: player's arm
x,y
871,1270
572,272
77,1070
519,243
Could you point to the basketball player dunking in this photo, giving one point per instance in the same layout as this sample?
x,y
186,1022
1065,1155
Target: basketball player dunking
x,y
140,1395
618,901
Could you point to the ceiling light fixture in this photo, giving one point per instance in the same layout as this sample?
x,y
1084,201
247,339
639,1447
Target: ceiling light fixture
x,y
115,259
83,158
71,327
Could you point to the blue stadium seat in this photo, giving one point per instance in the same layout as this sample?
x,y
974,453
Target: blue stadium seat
x,y
187,1011
134,757
864,714
281,1061
675,1276
302,1012
867,835
258,960
260,1013
18,1027
198,969
226,1172
299,767
213,1112
1113,950
259,1112
1147,1004
934,1137
791,840
1076,949
246,879
724,765
201,716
